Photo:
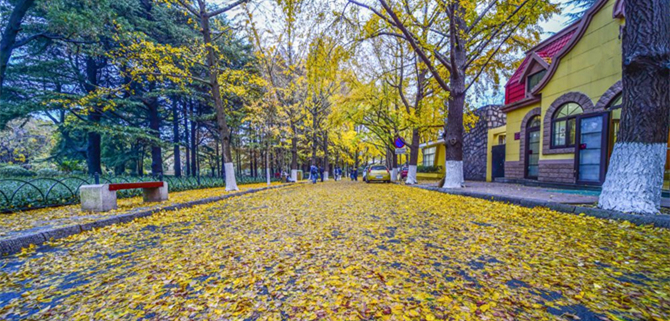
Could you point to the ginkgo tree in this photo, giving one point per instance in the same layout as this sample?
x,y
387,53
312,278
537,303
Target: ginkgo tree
x,y
467,40
325,77
204,14
281,52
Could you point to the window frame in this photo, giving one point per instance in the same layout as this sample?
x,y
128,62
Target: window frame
x,y
431,154
529,88
568,130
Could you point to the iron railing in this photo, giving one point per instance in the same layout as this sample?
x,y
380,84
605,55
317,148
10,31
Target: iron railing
x,y
20,193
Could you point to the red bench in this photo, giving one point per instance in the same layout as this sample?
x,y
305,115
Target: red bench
x,y
102,197
122,186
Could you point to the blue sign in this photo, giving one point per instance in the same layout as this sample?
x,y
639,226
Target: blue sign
x,y
399,143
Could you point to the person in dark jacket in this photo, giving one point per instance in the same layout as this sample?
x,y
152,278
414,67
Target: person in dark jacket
x,y
313,173
321,173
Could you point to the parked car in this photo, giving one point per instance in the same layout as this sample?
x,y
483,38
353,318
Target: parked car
x,y
378,173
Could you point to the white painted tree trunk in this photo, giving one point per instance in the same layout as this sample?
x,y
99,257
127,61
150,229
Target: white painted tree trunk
x,y
394,174
231,182
454,174
294,175
635,178
325,176
411,175
267,173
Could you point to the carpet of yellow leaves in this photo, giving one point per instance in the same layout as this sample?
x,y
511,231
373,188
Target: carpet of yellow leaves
x,y
37,219
346,251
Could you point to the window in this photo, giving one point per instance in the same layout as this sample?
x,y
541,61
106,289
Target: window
x,y
534,79
534,122
502,139
429,156
615,107
563,125
616,102
378,168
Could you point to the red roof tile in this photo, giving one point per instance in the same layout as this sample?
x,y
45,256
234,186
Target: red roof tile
x,y
515,90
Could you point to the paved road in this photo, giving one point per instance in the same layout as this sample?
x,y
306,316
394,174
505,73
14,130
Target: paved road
x,y
346,251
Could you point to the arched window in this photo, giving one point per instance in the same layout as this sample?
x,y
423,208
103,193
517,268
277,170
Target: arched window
x,y
563,125
616,102
534,122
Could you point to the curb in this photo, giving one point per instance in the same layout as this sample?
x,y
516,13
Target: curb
x,y
15,244
654,220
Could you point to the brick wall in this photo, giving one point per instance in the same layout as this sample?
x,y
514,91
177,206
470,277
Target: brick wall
x,y
557,171
514,169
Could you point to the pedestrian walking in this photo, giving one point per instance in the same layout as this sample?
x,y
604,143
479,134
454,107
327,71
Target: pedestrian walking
x,y
313,172
321,173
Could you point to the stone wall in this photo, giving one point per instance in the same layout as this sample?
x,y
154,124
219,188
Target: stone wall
x,y
475,141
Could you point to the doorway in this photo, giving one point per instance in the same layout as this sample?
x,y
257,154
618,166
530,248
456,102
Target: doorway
x,y
497,161
591,148
533,148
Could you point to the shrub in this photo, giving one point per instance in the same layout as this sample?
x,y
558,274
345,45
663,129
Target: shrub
x,y
48,172
15,171
428,169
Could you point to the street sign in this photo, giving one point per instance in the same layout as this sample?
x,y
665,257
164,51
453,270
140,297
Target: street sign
x,y
399,143
400,151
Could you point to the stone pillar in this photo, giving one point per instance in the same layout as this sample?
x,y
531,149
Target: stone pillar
x,y
157,194
97,198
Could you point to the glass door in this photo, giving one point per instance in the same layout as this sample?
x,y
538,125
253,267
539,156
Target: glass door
x,y
591,148
533,153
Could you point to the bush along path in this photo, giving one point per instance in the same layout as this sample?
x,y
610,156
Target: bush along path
x,y
347,251
22,229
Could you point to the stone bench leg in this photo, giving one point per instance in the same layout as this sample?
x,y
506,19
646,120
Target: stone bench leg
x,y
157,194
97,198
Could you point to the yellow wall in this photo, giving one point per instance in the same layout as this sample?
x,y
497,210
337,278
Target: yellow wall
x,y
440,155
492,140
591,67
514,120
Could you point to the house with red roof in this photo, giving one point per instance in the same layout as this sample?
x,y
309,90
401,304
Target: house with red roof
x,y
563,105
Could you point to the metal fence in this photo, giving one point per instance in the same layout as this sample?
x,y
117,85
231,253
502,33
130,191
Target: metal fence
x,y
20,193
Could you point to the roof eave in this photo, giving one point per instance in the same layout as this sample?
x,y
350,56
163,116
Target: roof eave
x,y
521,103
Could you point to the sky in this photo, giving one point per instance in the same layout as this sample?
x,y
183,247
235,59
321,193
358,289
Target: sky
x,y
556,23
551,26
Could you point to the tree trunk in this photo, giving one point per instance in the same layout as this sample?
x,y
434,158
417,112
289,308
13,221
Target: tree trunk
x,y
175,139
635,176
154,126
314,143
9,36
294,154
394,165
187,141
212,67
453,137
267,164
251,162
326,163
194,147
413,157
94,116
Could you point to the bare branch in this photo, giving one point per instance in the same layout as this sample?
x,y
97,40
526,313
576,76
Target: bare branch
x,y
226,8
189,7
481,16
415,46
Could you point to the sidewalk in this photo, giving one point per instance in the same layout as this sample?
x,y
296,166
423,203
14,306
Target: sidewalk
x,y
558,195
